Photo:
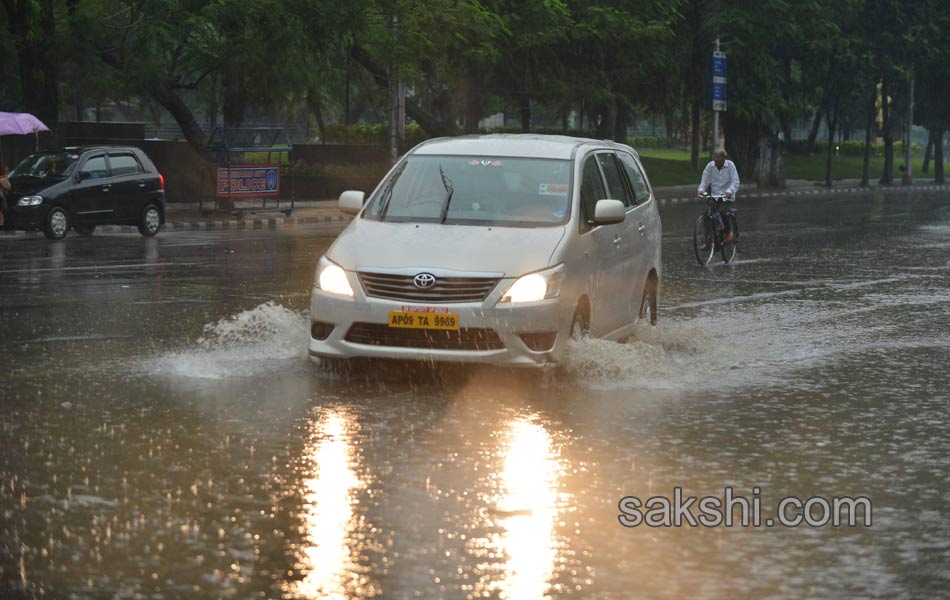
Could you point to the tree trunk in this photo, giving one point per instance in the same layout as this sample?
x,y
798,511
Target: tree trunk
x,y
32,26
234,102
832,126
938,156
472,100
524,104
694,139
929,150
755,150
182,114
813,133
866,168
786,127
213,105
620,125
742,143
887,176
430,123
79,105
608,117
770,163
316,107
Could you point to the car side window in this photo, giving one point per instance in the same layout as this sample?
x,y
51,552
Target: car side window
x,y
124,164
96,167
592,190
615,185
637,180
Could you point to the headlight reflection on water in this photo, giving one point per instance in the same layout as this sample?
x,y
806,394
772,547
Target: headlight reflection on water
x,y
527,507
329,556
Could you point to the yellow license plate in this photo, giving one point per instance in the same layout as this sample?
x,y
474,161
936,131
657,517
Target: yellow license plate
x,y
423,320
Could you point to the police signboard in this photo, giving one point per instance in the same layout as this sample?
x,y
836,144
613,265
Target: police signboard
x,y
718,72
249,180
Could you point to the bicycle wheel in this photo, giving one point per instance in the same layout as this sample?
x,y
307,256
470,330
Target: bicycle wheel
x,y
704,235
729,248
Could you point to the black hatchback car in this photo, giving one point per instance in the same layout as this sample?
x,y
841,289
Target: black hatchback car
x,y
80,188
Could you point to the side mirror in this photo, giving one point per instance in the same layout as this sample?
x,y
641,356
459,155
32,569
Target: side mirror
x,y
351,202
83,175
607,212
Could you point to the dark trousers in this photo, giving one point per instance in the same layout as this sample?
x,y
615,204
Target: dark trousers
x,y
720,208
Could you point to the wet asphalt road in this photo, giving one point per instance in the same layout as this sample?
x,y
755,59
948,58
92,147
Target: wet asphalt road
x,y
164,434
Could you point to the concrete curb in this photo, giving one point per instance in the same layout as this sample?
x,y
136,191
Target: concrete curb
x,y
274,223
237,224
817,192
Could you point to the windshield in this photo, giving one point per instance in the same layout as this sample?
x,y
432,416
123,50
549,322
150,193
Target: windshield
x,y
46,165
526,192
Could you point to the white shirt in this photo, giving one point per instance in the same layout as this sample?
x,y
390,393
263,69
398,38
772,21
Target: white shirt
x,y
720,180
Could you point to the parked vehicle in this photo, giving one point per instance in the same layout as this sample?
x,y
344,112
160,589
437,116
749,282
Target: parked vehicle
x,y
491,249
83,187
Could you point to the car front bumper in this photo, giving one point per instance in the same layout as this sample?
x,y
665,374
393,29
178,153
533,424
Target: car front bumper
x,y
25,217
490,333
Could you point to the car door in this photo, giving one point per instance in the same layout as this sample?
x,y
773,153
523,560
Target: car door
x,y
602,248
92,196
644,222
128,186
630,244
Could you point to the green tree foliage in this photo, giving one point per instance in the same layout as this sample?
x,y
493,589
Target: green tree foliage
x,y
607,62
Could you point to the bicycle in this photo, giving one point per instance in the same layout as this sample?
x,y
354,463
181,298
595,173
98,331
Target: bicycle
x,y
706,240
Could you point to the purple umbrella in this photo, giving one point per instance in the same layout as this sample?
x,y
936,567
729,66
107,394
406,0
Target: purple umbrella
x,y
20,124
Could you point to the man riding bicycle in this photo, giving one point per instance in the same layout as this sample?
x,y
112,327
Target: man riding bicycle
x,y
722,180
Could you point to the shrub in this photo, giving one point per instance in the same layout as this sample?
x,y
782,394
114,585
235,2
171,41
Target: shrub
x,y
846,148
652,141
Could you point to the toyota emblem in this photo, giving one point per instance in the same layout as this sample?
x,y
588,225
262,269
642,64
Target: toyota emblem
x,y
424,281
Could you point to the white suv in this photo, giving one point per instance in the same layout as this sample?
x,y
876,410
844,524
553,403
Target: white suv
x,y
491,249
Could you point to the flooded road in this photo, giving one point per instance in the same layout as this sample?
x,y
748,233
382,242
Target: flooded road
x,y
164,434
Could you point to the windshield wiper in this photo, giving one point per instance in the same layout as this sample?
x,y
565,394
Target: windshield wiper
x,y
388,192
447,184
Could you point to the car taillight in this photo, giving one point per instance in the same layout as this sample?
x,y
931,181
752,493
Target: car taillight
x,y
161,182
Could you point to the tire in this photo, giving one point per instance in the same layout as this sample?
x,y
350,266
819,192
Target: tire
x,y
150,221
703,232
580,327
84,229
729,248
648,303
57,224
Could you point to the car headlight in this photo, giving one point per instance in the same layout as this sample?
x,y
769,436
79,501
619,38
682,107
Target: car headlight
x,y
331,278
536,286
30,201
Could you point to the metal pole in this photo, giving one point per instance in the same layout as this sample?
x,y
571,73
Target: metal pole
x,y
715,132
908,178
394,88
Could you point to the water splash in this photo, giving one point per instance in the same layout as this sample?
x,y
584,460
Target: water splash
x,y
678,354
250,343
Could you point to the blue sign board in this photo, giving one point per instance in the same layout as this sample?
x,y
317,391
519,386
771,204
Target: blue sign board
x,y
249,180
716,82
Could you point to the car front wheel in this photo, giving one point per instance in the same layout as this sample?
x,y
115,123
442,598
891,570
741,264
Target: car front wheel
x,y
579,326
151,220
57,224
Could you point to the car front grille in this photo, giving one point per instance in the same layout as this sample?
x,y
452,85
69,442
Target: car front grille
x,y
445,290
376,334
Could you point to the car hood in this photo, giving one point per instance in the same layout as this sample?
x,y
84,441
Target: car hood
x,y
28,186
514,251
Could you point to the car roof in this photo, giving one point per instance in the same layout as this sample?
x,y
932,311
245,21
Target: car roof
x,y
527,145
81,149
